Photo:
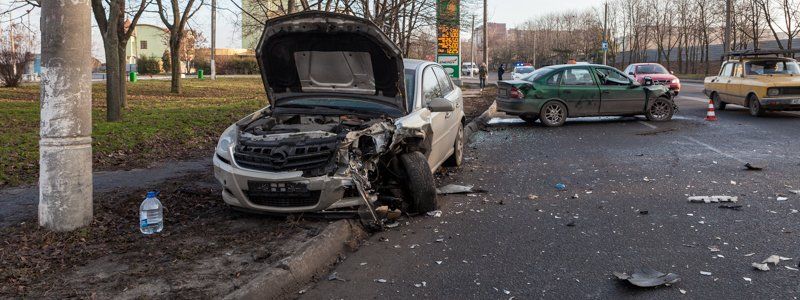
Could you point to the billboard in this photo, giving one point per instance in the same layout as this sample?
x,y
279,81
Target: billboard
x,y
448,30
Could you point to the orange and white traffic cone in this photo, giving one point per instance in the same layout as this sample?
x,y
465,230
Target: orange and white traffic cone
x,y
711,115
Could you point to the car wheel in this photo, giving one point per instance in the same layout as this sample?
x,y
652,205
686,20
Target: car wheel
x,y
755,107
530,119
718,104
553,114
420,189
457,158
660,110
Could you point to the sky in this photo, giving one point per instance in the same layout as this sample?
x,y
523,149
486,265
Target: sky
x,y
511,12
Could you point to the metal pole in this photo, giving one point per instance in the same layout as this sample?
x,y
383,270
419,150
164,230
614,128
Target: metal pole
x,y
485,33
213,39
605,33
65,143
727,39
534,46
472,49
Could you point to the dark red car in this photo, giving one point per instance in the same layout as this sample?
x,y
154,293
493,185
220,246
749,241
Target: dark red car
x,y
657,73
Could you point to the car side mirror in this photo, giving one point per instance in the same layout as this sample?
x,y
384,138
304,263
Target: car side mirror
x,y
441,105
648,81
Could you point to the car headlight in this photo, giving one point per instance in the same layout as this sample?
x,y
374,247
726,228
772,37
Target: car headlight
x,y
676,80
227,140
773,92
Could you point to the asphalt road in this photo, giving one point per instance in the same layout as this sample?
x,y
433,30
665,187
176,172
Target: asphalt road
x,y
566,244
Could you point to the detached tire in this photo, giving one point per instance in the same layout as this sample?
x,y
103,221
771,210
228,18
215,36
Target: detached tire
x,y
420,187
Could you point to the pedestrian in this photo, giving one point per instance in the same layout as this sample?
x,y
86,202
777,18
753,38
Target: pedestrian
x,y
500,71
483,72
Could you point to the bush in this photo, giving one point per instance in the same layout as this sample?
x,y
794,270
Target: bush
x,y
12,66
227,65
166,61
148,65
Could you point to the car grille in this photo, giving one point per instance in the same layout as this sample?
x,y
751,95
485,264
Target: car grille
x,y
790,91
315,157
281,194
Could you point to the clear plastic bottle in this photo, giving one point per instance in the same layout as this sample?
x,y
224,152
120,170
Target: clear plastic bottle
x,y
151,214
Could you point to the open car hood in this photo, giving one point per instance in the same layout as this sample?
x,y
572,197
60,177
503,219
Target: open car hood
x,y
330,55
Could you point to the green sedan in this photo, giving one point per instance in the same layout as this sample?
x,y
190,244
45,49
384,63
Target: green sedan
x,y
553,94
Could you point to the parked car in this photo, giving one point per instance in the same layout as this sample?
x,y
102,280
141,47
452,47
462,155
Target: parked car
x,y
521,72
350,123
757,82
655,72
553,94
467,67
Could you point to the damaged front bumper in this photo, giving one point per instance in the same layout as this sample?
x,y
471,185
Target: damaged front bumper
x,y
283,192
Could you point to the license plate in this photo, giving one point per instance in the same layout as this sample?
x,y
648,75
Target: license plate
x,y
796,102
503,93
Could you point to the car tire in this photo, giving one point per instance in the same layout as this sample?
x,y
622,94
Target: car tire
x,y
420,189
718,104
756,110
661,109
457,158
530,119
553,114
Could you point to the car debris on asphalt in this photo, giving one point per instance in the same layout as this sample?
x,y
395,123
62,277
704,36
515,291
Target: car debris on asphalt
x,y
775,259
731,207
705,273
335,277
752,167
762,267
647,277
713,199
561,186
458,189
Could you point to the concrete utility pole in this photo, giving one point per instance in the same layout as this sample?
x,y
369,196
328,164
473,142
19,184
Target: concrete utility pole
x,y
65,144
472,48
605,33
726,43
213,39
485,33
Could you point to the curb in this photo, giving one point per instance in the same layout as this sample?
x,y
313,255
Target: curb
x,y
289,275
479,122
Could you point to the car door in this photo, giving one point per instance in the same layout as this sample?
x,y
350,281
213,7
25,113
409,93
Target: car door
x,y
580,92
452,119
736,86
431,89
726,90
618,94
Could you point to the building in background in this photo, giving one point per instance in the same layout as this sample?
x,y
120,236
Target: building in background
x,y
146,41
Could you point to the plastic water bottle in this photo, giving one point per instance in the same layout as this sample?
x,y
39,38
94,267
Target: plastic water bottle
x,y
151,215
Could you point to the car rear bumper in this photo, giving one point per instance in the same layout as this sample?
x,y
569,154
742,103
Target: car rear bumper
x,y
310,194
784,104
517,107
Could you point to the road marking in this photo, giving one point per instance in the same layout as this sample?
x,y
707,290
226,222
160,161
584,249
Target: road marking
x,y
709,147
694,98
648,125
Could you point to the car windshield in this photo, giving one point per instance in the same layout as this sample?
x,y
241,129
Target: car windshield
x,y
535,75
771,67
410,76
523,70
651,69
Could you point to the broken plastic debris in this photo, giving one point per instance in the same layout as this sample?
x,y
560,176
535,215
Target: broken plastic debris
x,y
646,277
392,224
435,213
381,280
782,198
790,268
458,189
796,192
532,197
438,262
335,276
713,199
751,167
420,285
762,267
748,279
713,248
774,259
749,254
682,291
704,273
732,207
561,186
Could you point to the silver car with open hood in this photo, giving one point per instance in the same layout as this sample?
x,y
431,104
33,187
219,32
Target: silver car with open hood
x,y
350,123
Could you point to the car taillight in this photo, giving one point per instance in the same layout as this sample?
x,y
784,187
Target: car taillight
x,y
515,93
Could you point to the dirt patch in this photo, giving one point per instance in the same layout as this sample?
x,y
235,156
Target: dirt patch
x,y
205,250
476,102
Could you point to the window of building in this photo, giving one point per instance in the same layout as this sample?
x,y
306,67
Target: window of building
x,y
143,45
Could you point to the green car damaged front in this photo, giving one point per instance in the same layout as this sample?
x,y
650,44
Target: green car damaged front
x,y
584,91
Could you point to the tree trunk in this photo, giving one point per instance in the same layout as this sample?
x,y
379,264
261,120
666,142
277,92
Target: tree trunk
x,y
175,63
123,75
113,72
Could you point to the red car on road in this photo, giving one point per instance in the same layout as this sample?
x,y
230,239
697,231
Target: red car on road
x,y
657,73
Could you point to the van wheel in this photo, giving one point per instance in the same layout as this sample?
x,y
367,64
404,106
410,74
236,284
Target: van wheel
x,y
457,158
420,189
718,104
660,110
553,114
755,107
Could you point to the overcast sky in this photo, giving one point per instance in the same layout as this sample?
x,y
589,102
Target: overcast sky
x,y
512,12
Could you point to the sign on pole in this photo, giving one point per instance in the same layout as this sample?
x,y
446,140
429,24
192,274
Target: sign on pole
x,y
448,29
605,45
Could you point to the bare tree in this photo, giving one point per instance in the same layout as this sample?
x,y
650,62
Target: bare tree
x,y
110,16
175,16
